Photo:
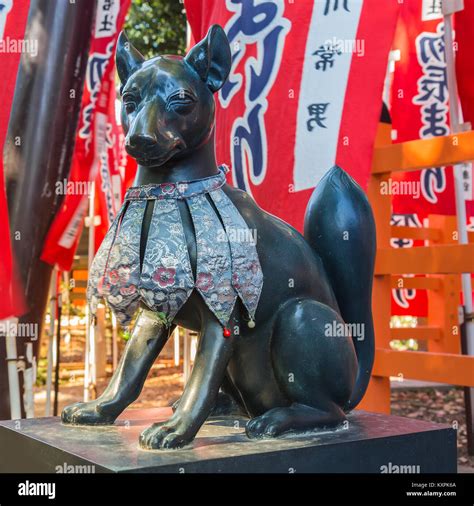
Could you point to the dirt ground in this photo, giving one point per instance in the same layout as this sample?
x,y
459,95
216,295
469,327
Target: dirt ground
x,y
163,386
440,405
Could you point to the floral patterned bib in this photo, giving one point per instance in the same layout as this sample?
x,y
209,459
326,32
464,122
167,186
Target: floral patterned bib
x,y
227,262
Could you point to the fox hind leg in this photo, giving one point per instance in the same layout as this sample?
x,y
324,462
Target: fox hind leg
x,y
315,370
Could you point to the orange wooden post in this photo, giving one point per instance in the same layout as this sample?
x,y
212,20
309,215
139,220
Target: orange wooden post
x,y
377,397
442,262
443,303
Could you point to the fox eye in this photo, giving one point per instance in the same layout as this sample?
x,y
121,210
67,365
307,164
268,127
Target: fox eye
x,y
129,102
181,106
181,101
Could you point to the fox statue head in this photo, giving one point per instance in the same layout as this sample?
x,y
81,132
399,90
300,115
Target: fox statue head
x,y
168,105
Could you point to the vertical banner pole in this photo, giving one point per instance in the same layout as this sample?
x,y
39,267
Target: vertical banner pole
x,y
66,301
186,356
86,357
176,346
89,372
29,376
114,342
57,356
12,358
52,312
456,121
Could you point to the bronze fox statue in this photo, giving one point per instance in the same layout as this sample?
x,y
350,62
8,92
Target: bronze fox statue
x,y
293,366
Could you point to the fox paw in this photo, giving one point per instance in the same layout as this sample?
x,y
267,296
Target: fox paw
x,y
86,413
171,434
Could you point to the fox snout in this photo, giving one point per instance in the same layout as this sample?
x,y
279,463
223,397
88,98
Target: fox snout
x,y
140,141
148,150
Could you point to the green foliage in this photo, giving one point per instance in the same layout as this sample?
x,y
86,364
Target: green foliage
x,y
125,334
41,372
164,319
157,27
404,322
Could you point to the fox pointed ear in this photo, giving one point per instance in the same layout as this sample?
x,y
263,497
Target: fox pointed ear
x,y
211,58
127,58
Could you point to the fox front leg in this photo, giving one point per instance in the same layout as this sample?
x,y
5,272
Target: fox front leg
x,y
199,394
149,336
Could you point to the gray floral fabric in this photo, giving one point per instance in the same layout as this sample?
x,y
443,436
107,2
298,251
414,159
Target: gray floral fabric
x,y
182,190
214,268
227,262
247,276
167,279
122,276
99,265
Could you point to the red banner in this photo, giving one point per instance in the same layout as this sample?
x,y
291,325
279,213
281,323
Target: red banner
x,y
304,92
116,169
420,109
91,151
13,16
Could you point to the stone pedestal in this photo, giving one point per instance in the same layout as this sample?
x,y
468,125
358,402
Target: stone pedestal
x,y
370,443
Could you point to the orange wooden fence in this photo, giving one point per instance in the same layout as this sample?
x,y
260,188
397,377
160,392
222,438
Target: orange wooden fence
x,y
440,261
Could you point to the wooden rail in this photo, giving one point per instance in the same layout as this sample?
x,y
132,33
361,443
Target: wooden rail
x,y
424,153
419,332
437,367
415,233
418,283
444,259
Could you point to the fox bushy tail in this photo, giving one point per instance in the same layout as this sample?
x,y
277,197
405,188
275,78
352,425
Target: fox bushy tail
x,y
339,226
